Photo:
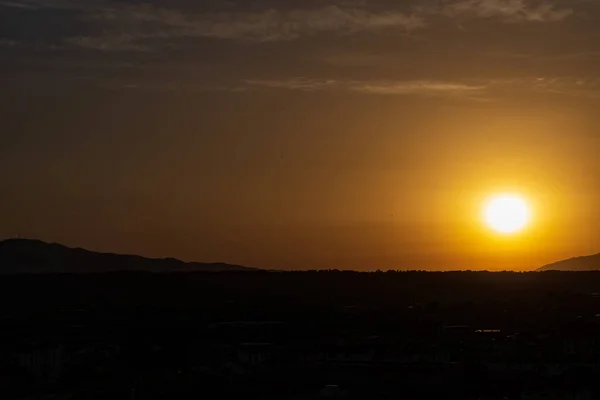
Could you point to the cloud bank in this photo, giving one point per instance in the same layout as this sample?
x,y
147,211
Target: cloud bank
x,y
422,87
506,10
123,26
474,90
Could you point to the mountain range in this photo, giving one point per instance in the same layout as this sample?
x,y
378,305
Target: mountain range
x,y
33,256
587,263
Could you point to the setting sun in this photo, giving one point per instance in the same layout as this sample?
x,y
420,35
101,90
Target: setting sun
x,y
507,214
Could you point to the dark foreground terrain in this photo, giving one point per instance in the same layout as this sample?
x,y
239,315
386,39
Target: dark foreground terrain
x,y
269,335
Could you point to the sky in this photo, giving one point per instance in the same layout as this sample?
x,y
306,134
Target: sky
x,y
294,134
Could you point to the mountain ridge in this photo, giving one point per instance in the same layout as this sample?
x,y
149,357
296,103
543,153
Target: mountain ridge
x,y
35,256
583,263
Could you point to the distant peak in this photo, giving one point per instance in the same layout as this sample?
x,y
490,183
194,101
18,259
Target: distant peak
x,y
581,263
20,255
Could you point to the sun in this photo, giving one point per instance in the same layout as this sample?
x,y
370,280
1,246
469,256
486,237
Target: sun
x,y
507,213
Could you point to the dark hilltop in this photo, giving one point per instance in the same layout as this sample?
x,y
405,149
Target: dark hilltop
x,y
586,263
18,256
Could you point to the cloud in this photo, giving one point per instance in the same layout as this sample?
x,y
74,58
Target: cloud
x,y
417,87
114,25
53,4
146,21
8,43
475,90
14,4
545,57
506,10
123,42
570,86
263,26
489,90
580,87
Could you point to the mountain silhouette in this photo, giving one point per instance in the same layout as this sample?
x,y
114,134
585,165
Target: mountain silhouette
x,y
587,263
34,256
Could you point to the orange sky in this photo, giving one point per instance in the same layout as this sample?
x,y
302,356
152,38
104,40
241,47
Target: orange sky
x,y
220,131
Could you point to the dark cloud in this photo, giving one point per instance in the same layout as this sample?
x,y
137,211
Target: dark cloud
x,y
111,25
382,46
145,21
123,42
8,43
506,10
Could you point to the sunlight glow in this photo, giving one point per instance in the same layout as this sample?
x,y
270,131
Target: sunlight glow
x,y
507,214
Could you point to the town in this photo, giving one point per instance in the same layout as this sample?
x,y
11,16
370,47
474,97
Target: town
x,y
301,335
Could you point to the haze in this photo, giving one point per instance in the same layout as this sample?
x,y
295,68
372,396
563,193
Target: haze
x,y
302,134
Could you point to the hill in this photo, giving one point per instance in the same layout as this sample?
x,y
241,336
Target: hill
x,y
587,263
33,256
